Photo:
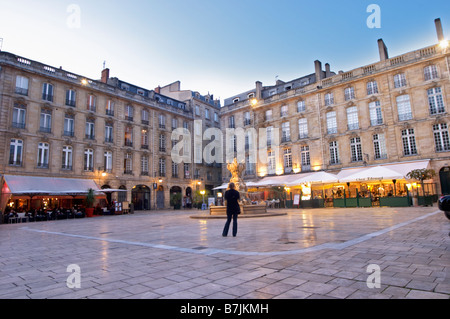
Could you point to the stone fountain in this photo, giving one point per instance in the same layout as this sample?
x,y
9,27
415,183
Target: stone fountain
x,y
237,170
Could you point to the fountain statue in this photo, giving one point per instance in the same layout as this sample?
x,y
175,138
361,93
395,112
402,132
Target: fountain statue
x,y
237,170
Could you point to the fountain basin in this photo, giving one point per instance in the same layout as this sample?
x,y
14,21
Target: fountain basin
x,y
245,210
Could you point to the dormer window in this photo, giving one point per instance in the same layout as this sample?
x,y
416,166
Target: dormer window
x,y
236,100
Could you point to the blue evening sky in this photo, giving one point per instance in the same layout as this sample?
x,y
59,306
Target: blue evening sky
x,y
221,47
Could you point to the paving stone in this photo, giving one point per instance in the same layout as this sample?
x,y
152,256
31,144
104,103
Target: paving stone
x,y
173,261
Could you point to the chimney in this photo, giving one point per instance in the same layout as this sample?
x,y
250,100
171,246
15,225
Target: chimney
x,y
319,72
105,76
258,94
384,55
327,70
439,31
158,90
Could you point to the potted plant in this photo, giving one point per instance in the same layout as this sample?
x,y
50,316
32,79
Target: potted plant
x,y
176,200
422,175
90,199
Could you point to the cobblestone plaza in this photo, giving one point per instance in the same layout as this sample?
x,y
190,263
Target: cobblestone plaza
x,y
320,253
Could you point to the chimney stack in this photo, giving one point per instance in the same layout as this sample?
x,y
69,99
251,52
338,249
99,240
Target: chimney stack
x,y
105,76
158,89
382,49
327,70
318,69
439,31
258,94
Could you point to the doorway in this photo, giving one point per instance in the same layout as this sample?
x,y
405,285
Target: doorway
x,y
141,197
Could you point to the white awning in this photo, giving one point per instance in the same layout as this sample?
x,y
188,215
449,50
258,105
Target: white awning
x,y
315,178
223,186
381,172
281,180
33,185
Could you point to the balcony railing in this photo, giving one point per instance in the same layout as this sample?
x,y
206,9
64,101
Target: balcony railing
x,y
72,103
21,91
109,112
66,167
69,133
47,97
44,129
18,125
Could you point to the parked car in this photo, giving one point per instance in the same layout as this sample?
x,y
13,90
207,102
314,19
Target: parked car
x,y
444,205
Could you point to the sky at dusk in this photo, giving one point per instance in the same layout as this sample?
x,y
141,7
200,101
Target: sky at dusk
x,y
220,47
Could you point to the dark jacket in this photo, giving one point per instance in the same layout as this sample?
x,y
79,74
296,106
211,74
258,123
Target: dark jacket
x,y
232,197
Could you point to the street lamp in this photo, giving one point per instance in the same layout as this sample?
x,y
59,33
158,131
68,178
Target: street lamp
x,y
203,195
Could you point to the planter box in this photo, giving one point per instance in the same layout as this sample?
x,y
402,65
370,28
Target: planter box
x,y
395,201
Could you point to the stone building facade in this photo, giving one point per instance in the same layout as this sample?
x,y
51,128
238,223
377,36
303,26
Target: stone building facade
x,y
56,123
394,110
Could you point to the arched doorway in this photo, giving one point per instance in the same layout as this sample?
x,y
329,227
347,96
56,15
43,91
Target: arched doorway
x,y
108,194
160,197
141,197
188,197
444,176
176,197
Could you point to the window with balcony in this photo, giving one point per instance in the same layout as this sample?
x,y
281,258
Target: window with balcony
x,y
89,160
441,137
331,123
301,106
400,80
43,155
109,110
271,162
90,129
91,103
15,152
19,116
334,153
356,149
71,97
349,93
129,113
21,85
45,123
128,164
430,73
435,101
268,115
145,117
144,165
352,118
404,108
128,136
162,121
302,128
47,92
372,87
109,133
67,153
108,161
379,145
162,143
162,167
376,116
285,132
231,123
409,142
305,157
69,126
284,111
174,170
287,160
329,99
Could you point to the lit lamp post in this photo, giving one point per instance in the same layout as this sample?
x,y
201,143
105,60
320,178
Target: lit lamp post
x,y
202,192
395,191
219,195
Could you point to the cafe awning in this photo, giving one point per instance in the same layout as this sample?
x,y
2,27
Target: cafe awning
x,y
282,180
315,178
381,172
33,185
